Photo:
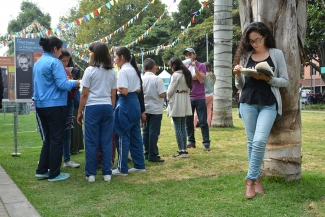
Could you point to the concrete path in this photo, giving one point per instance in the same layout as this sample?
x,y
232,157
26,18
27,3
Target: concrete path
x,y
13,202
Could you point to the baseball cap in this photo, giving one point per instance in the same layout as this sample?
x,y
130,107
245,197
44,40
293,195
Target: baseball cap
x,y
191,50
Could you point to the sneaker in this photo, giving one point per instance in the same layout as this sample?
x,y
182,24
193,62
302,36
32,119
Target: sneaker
x,y
107,178
156,159
206,148
43,176
62,176
134,170
181,154
191,145
117,172
71,164
90,178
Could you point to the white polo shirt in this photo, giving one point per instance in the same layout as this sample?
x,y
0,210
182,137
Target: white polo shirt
x,y
152,87
100,82
128,78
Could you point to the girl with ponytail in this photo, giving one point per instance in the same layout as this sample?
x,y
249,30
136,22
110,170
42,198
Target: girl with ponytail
x,y
128,113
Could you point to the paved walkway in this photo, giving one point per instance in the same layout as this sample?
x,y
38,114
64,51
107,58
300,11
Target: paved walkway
x,y
13,202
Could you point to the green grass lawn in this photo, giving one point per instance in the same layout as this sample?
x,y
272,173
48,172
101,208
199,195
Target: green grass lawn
x,y
206,184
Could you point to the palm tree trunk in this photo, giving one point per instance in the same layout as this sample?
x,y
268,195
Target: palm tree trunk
x,y
222,33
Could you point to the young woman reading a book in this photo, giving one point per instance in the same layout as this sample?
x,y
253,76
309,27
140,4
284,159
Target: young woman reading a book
x,y
260,100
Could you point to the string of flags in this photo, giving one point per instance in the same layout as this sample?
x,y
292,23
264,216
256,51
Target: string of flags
x,y
34,30
133,43
88,16
156,50
43,32
109,36
136,41
80,56
164,47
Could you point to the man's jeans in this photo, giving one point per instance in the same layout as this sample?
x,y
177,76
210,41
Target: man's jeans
x,y
201,110
150,135
258,121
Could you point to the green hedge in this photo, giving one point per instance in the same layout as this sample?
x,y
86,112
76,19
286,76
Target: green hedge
x,y
313,107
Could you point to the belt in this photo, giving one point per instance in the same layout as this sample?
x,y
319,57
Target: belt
x,y
181,91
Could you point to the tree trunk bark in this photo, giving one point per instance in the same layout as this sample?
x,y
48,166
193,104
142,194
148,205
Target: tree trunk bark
x,y
222,34
287,21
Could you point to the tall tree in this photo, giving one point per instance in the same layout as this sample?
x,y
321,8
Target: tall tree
x,y
287,21
222,34
195,35
185,13
29,12
315,35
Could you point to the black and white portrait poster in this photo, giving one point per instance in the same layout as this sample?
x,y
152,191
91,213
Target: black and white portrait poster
x,y
25,51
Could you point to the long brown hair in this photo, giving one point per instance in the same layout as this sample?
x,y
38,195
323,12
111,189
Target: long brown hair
x,y
177,64
245,47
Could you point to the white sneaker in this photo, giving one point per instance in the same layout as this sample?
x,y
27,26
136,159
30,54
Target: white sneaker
x,y
90,178
116,172
133,170
107,178
71,164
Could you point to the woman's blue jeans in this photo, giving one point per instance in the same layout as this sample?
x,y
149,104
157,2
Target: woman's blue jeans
x,y
258,121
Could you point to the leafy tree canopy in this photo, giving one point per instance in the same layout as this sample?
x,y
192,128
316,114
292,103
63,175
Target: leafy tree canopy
x,y
185,13
315,34
29,12
315,25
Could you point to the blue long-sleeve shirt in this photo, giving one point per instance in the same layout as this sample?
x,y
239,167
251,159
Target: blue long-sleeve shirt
x,y
50,82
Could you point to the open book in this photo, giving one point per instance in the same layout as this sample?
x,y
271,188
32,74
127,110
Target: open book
x,y
260,67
